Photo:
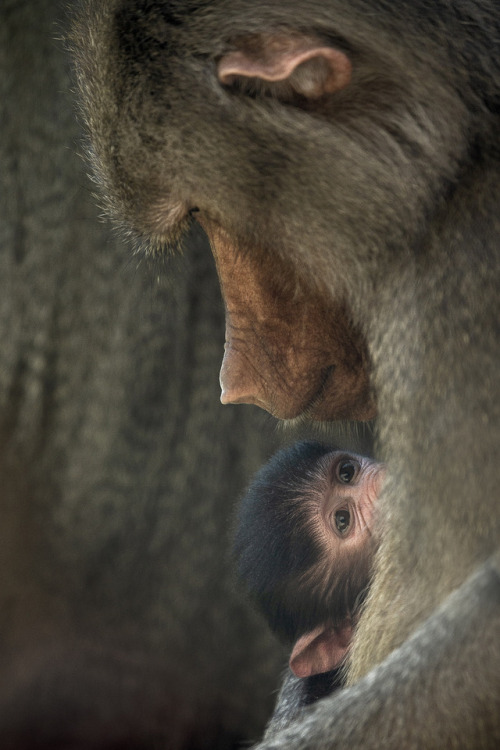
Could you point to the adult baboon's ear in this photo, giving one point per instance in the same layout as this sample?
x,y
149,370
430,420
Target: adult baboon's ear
x,y
310,67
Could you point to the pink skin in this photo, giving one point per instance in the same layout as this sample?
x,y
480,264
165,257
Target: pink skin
x,y
348,506
346,512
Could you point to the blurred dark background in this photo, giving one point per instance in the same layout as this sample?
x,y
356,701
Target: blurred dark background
x,y
120,623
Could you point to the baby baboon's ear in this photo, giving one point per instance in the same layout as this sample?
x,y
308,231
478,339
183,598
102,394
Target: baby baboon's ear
x,y
321,650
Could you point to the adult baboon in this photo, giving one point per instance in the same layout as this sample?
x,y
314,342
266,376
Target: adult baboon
x,y
343,159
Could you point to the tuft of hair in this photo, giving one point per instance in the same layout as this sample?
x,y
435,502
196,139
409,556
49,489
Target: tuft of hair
x,y
275,544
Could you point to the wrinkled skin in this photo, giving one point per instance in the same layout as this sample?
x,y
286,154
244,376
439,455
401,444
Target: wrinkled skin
x,y
272,335
347,152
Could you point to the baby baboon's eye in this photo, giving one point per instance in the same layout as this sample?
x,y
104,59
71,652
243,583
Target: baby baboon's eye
x,y
346,471
342,521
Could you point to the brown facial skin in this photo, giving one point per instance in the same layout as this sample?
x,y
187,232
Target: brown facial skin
x,y
275,331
